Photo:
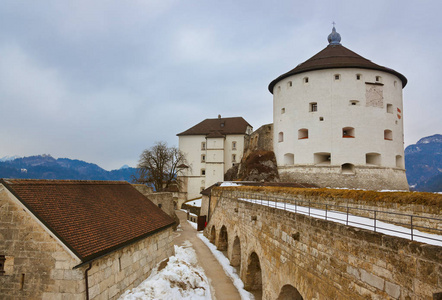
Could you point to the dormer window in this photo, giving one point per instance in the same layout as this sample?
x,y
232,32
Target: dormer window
x,y
222,124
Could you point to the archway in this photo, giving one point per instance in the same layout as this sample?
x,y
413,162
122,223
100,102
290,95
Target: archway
x,y
288,292
222,240
254,276
236,254
213,235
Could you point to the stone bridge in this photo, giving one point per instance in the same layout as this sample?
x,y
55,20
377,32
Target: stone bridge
x,y
286,255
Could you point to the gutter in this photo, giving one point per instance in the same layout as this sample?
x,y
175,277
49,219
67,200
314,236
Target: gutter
x,y
86,282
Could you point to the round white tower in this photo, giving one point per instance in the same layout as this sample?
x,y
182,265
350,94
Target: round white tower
x,y
338,121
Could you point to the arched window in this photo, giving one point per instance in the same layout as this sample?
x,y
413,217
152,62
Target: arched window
x,y
302,134
347,169
281,137
289,159
348,132
388,135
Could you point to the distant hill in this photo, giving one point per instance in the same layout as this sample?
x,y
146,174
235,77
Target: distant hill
x,y
47,167
423,162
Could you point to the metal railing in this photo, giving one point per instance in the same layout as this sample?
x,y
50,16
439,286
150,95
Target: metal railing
x,y
404,225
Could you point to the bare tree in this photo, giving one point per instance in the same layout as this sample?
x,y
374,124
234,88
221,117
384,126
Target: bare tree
x,y
159,165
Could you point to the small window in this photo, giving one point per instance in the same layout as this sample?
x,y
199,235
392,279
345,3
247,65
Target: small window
x,y
2,264
321,119
337,76
378,78
399,161
233,157
313,106
279,89
203,172
160,205
354,102
283,110
213,172
203,145
322,158
233,145
305,79
348,132
289,159
395,83
281,137
289,84
390,108
358,76
348,169
388,135
302,134
373,159
203,158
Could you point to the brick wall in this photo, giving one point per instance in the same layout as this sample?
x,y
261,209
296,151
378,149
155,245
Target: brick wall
x,y
326,260
39,267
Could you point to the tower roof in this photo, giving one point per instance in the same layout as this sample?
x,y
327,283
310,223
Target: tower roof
x,y
336,56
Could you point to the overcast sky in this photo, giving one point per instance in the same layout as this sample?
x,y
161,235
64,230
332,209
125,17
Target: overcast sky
x,y
102,80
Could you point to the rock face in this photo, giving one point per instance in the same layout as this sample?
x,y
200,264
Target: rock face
x,y
257,166
423,162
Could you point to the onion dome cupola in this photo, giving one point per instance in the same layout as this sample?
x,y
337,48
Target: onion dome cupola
x,y
336,56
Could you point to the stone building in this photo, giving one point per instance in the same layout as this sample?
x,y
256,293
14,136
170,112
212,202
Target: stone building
x,y
77,239
211,147
338,121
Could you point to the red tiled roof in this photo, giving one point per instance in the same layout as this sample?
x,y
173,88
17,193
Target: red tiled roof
x,y
336,56
218,126
91,218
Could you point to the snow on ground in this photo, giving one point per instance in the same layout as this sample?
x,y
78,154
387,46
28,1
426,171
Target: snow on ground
x,y
229,183
182,278
193,224
356,221
230,271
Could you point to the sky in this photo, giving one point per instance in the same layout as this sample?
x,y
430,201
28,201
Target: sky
x,y
102,80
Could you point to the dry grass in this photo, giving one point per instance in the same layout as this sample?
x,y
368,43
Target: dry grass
x,y
427,199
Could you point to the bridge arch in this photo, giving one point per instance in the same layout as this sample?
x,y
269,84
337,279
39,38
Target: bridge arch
x,y
253,280
235,259
223,239
289,292
213,235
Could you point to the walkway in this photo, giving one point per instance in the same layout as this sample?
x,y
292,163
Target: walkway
x,y
222,286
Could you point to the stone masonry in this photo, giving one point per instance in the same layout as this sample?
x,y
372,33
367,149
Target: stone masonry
x,y
321,259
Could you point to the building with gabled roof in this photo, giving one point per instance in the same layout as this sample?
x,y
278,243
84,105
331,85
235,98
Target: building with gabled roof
x,y
211,147
73,239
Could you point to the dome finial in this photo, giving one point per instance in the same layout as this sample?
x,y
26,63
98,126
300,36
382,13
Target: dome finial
x,y
334,38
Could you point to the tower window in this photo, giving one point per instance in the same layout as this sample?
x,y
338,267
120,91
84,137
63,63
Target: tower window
x,y
302,134
313,106
358,76
203,158
321,118
305,79
390,108
281,137
388,135
203,172
337,76
399,161
289,84
348,169
322,158
373,159
354,102
378,78
348,132
203,145
233,157
289,159
233,145
283,110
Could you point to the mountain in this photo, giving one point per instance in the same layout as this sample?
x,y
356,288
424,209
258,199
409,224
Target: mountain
x,y
46,167
423,162
8,158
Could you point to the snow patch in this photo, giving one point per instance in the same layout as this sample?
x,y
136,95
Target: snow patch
x,y
229,183
182,278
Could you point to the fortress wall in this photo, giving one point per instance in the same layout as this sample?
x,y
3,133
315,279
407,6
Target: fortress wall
x,y
326,260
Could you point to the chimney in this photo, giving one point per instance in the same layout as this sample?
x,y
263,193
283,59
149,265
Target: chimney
x,y
219,116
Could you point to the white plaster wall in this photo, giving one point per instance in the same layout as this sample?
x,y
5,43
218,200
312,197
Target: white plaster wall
x,y
239,139
332,97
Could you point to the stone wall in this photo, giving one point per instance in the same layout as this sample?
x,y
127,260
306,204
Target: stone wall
x,y
364,177
260,139
40,267
321,259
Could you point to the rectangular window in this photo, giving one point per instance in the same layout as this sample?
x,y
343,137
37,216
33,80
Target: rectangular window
x,y
233,145
2,264
313,106
233,157
203,146
203,158
203,172
337,76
